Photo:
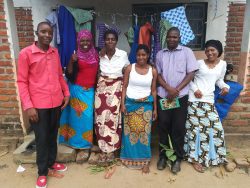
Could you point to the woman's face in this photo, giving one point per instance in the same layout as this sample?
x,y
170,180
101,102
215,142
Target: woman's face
x,y
110,41
85,44
142,57
211,53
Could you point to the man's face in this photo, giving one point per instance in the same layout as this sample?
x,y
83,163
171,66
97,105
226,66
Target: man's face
x,y
173,38
44,34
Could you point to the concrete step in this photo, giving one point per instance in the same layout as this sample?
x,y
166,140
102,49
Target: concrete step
x,y
23,155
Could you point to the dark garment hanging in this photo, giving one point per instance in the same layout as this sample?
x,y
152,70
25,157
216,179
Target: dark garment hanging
x,y
157,43
67,35
132,54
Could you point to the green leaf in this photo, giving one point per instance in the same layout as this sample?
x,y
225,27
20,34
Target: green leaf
x,y
172,158
169,153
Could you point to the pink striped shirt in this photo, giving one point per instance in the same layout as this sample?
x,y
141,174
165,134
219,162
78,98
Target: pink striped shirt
x,y
39,78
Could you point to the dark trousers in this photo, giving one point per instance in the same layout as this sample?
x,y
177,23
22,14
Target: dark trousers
x,y
46,138
172,122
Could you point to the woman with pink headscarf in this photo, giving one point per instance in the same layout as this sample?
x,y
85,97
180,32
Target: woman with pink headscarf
x,y
76,124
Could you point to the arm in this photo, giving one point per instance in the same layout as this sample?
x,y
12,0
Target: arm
x,y
124,88
154,93
220,82
23,86
71,62
186,80
172,92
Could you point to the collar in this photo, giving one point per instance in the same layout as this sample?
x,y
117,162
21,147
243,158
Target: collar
x,y
117,53
179,47
35,49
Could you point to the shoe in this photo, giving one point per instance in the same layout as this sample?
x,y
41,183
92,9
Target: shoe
x,y
59,167
176,167
161,164
41,182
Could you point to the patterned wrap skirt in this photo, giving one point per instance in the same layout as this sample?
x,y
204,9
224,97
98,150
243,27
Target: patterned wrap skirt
x,y
76,123
108,127
136,136
204,139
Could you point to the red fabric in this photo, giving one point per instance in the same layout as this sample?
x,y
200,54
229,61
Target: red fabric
x,y
86,76
145,34
39,78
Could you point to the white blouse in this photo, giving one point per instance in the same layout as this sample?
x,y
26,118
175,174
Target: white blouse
x,y
113,67
205,80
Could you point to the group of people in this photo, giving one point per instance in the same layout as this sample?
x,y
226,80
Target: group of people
x,y
118,101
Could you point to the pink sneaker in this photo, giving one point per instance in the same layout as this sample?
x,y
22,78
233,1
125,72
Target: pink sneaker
x,y
59,167
41,182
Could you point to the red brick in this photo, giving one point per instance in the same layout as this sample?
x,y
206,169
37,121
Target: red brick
x,y
236,108
6,77
239,122
4,98
8,91
2,70
2,24
3,85
4,48
8,104
9,71
245,116
6,63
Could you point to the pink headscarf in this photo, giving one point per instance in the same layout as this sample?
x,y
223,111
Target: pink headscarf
x,y
90,56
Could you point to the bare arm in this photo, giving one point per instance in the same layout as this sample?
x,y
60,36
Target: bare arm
x,y
154,93
124,88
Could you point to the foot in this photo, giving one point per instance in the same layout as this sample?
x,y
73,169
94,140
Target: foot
x,y
41,182
198,167
59,167
176,167
82,156
162,163
145,169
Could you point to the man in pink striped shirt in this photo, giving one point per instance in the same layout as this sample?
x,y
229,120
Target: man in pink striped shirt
x,y
44,93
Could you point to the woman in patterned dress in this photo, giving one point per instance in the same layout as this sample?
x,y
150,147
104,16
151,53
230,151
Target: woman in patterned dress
x,y
204,140
108,98
76,124
139,109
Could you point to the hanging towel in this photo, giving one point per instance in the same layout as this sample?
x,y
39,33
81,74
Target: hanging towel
x,y
177,17
82,18
67,35
164,26
53,20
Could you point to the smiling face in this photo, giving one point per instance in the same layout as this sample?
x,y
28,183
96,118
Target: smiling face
x,y
211,53
85,44
44,34
173,38
110,41
142,57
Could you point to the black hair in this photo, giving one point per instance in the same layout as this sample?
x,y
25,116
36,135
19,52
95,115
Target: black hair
x,y
42,23
216,44
110,31
174,29
146,49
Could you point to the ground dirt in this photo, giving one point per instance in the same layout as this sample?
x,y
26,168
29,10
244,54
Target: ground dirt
x,y
79,176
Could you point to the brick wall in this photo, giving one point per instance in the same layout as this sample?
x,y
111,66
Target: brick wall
x,y
11,132
238,119
24,24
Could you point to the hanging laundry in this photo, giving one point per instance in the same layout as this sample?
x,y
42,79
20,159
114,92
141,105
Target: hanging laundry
x,y
157,44
102,27
164,26
132,54
177,17
145,34
82,18
53,20
130,35
223,103
67,35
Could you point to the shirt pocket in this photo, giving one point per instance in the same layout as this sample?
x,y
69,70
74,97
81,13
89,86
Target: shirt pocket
x,y
38,65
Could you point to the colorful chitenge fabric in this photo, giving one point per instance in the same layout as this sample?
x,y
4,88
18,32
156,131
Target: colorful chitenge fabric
x,y
76,123
204,140
136,136
107,113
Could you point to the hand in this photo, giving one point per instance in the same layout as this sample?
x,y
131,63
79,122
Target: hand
x,y
74,57
32,115
123,109
224,91
65,102
102,52
172,93
155,115
198,94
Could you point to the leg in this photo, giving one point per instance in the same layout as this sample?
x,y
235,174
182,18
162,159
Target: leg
x,y
54,125
41,130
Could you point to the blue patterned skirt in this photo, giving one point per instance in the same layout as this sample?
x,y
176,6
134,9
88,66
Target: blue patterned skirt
x,y
76,123
136,135
204,140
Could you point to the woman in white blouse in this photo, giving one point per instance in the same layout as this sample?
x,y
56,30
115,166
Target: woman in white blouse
x,y
108,98
204,140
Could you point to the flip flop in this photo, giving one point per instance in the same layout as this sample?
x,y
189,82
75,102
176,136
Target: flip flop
x,y
198,167
55,174
110,172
